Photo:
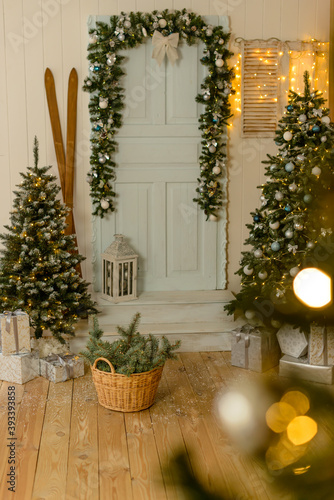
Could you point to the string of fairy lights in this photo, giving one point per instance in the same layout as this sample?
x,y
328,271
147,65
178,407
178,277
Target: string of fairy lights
x,y
298,57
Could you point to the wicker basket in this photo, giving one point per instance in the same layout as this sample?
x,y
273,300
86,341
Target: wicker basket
x,y
121,393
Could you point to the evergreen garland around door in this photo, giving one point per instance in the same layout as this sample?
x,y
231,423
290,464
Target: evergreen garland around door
x,y
106,98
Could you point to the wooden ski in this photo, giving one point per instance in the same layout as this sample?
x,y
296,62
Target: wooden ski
x,y
65,164
70,145
55,125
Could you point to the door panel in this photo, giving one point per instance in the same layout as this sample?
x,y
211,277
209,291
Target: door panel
x,y
157,160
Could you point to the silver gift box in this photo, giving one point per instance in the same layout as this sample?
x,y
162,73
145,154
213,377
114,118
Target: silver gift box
x,y
301,368
254,348
19,368
59,368
14,332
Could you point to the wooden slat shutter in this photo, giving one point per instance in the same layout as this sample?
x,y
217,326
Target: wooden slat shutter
x,y
260,88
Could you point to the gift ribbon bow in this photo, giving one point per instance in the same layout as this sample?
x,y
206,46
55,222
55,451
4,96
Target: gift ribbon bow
x,y
66,361
247,342
165,45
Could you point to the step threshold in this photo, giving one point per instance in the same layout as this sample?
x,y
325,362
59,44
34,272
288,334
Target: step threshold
x,y
174,297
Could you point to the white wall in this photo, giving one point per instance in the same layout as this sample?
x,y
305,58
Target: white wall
x,y
35,34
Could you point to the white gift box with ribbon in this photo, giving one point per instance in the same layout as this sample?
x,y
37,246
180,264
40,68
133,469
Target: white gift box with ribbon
x,y
254,348
14,332
20,368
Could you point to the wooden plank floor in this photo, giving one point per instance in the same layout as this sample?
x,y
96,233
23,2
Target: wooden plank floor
x,y
68,447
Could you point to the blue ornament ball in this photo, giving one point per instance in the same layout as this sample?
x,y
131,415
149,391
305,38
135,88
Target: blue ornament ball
x,y
98,127
315,128
275,246
289,166
256,218
307,198
290,107
287,208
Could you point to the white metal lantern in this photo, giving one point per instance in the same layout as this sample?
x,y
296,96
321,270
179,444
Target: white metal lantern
x,y
119,271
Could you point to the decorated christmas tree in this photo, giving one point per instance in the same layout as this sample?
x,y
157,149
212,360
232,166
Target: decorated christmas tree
x,y
38,263
292,229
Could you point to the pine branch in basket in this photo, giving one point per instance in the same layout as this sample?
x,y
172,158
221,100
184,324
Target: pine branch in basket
x,y
132,353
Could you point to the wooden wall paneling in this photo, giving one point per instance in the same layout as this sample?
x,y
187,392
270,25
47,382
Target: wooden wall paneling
x,y
268,146
254,19
72,49
237,14
182,4
163,4
289,20
53,59
252,152
201,7
3,92
321,32
235,201
272,19
5,187
106,8
15,38
87,8
219,8
145,5
307,19
126,5
34,78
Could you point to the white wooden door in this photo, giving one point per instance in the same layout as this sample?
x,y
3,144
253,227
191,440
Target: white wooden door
x,y
157,172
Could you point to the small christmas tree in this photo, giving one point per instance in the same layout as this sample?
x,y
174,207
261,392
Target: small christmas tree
x,y
38,263
293,228
132,353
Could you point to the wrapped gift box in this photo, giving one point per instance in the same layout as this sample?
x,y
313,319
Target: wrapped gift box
x,y
61,367
301,368
321,348
19,368
254,348
292,341
14,333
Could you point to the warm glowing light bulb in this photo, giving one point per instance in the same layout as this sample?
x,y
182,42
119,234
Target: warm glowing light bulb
x,y
313,287
235,410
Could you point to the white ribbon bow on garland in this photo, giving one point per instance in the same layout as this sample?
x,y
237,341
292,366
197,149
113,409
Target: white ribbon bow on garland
x,y
165,45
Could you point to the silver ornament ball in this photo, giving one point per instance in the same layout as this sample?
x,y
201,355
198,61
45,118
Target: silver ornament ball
x,y
293,187
316,171
248,270
274,225
104,204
